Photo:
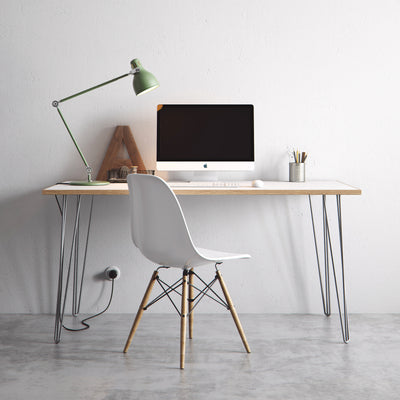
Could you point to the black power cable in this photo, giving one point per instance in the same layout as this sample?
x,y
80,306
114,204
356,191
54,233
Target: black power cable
x,y
83,322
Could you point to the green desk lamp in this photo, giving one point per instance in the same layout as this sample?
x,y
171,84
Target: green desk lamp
x,y
143,82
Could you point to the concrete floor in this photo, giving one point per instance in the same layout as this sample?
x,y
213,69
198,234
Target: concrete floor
x,y
293,357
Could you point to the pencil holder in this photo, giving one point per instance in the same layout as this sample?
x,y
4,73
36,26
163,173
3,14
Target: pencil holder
x,y
297,172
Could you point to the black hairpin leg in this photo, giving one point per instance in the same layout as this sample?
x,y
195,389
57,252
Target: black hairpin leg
x,y
329,264
73,262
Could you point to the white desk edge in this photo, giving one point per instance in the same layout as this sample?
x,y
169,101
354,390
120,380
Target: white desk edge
x,y
245,188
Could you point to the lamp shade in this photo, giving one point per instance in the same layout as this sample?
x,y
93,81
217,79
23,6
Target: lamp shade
x,y
143,81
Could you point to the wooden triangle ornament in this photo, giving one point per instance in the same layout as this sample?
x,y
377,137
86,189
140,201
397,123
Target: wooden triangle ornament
x,y
115,157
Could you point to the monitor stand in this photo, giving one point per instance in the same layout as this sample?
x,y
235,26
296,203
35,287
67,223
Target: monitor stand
x,y
205,176
193,176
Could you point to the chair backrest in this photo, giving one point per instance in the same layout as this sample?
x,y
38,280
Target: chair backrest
x,y
158,225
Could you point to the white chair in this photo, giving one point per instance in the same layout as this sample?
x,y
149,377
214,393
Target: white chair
x,y
160,232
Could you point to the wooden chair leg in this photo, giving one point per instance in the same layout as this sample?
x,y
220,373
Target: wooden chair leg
x,y
233,311
183,318
141,310
190,300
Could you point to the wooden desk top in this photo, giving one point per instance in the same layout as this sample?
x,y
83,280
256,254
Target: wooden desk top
x,y
245,188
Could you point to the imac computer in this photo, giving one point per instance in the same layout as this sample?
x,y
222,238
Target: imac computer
x,y
205,137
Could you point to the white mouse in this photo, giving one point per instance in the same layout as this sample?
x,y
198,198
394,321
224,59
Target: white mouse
x,y
257,183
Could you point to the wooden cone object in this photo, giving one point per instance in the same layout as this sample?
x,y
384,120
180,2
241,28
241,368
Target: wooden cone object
x,y
114,156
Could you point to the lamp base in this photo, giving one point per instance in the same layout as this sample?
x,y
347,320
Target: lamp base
x,y
88,183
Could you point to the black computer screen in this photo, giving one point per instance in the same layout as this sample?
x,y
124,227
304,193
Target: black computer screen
x,y
205,132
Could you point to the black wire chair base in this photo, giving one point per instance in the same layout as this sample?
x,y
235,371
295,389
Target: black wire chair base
x,y
205,290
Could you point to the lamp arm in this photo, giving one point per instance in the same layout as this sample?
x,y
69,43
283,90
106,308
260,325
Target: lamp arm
x,y
94,87
57,102
73,139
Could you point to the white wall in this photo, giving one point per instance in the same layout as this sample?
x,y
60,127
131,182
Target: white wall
x,y
323,76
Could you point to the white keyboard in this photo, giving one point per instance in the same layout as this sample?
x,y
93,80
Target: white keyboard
x,y
206,184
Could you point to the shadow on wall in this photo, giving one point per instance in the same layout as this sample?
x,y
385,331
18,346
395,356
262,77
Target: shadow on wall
x,y
288,237
28,236
30,227
277,232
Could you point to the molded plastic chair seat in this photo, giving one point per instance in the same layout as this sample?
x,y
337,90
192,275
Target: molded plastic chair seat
x,y
160,232
216,256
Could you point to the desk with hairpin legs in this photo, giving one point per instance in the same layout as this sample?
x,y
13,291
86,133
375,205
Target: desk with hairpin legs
x,y
70,262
